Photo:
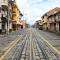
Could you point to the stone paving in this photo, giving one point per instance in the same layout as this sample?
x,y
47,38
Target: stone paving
x,y
5,39
33,45
53,38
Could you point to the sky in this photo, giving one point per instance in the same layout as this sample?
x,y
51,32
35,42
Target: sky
x,y
32,10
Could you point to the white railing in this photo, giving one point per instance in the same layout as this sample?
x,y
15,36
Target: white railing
x,y
4,14
4,2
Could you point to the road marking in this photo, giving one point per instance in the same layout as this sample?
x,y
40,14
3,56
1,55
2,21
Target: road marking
x,y
10,47
30,46
34,57
55,49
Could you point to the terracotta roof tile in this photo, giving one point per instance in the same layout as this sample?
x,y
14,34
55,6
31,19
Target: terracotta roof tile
x,y
52,12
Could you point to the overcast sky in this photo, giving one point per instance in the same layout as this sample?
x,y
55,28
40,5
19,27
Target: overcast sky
x,y
34,9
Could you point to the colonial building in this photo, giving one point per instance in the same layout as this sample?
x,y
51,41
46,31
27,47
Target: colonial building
x,y
51,20
54,20
45,21
10,16
38,24
3,15
16,15
23,24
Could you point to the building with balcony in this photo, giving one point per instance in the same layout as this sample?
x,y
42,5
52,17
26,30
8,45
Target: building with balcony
x,y
51,20
54,20
23,24
16,15
10,16
45,21
3,15
38,24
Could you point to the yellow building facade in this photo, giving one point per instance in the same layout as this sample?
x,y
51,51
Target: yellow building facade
x,y
16,15
45,22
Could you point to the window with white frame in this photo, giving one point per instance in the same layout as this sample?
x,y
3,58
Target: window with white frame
x,y
58,16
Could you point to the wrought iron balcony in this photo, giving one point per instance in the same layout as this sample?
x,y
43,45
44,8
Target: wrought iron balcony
x,y
4,8
11,1
4,19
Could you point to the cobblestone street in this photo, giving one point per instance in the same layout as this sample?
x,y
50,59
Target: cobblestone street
x,y
7,40
30,44
29,29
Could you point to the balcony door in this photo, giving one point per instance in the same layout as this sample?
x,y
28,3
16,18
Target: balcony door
x,y
59,27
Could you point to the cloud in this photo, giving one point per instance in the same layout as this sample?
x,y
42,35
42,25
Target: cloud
x,y
34,9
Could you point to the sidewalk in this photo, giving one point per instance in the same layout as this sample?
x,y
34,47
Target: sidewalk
x,y
53,38
55,33
5,39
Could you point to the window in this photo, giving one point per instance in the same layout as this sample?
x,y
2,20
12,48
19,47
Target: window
x,y
59,16
56,17
0,9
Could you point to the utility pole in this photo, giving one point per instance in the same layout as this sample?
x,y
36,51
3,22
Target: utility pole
x,y
8,19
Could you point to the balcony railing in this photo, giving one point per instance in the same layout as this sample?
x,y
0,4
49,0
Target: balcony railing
x,y
11,1
4,2
57,20
14,14
4,8
4,13
13,11
4,19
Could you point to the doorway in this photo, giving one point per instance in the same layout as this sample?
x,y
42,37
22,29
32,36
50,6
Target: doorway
x,y
21,26
59,27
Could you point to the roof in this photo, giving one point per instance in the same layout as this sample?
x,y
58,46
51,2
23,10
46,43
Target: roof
x,y
44,15
52,12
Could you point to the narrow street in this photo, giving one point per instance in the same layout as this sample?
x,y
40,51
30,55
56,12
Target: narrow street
x,y
34,44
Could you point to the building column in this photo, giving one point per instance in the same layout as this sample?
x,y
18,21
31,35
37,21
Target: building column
x,y
59,27
16,27
0,20
10,27
6,27
0,27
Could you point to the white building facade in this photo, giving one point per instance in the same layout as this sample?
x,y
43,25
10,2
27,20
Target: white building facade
x,y
5,16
